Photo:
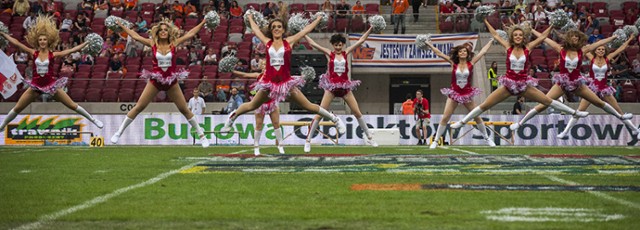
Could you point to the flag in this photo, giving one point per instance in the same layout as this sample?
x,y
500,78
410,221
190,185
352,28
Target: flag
x,y
9,76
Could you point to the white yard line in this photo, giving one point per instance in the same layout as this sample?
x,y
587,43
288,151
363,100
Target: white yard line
x,y
460,150
596,193
104,198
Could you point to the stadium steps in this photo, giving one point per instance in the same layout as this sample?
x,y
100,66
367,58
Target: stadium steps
x,y
426,21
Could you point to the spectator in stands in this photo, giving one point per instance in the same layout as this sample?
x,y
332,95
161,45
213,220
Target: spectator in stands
x,y
67,23
407,106
130,4
28,73
616,85
507,8
552,5
221,93
238,85
86,5
194,58
20,57
223,10
235,100
164,10
520,5
255,64
211,57
68,66
268,11
82,21
492,75
228,49
21,8
178,10
115,65
7,5
591,24
86,59
196,103
342,9
29,21
415,4
116,5
461,6
576,20
631,16
235,11
206,88
595,36
399,8
621,69
518,106
190,10
327,7
357,10
446,10
141,24
540,18
51,9
240,67
635,64
282,10
119,46
38,7
100,9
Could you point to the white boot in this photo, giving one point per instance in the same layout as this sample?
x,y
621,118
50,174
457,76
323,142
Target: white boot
x,y
433,145
281,149
115,138
307,146
227,124
256,151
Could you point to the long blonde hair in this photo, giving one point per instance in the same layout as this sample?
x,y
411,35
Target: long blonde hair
x,y
45,26
174,32
526,33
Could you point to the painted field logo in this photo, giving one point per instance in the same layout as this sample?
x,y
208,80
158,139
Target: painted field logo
x,y
549,214
35,131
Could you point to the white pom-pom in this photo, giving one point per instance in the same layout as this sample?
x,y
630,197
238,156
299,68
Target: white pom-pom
x,y
569,26
3,41
637,24
502,35
558,18
617,42
324,21
421,41
377,23
484,11
258,18
630,30
308,73
297,23
212,20
227,64
94,44
111,23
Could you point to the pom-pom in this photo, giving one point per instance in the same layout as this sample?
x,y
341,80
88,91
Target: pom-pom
x,y
94,44
324,21
630,31
617,42
111,23
502,35
211,20
307,73
421,41
3,41
377,23
297,23
227,64
484,11
558,18
637,24
569,26
258,18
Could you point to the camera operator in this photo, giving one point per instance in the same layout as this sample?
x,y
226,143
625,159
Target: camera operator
x,y
422,116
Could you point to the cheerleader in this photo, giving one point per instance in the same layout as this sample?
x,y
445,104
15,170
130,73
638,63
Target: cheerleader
x,y
600,67
164,75
336,83
277,82
516,81
44,37
461,92
570,79
269,107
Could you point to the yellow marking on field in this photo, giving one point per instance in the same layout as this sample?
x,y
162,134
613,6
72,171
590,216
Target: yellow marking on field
x,y
388,166
386,187
195,169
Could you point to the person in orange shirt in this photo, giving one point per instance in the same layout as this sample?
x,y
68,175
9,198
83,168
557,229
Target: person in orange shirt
x,y
407,106
115,4
399,8
235,10
178,10
130,4
190,10
358,9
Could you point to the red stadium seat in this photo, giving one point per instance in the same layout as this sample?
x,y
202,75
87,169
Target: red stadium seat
x,y
109,95
341,25
126,95
372,8
446,27
312,7
357,24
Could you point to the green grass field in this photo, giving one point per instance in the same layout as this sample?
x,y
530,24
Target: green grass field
x,y
178,187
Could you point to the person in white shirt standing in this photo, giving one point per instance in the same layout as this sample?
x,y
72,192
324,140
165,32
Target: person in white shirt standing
x,y
196,103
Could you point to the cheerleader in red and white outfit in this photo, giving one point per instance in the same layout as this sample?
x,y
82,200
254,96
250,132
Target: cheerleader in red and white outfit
x,y
44,37
600,67
336,83
461,92
277,83
570,79
164,75
270,107
516,81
